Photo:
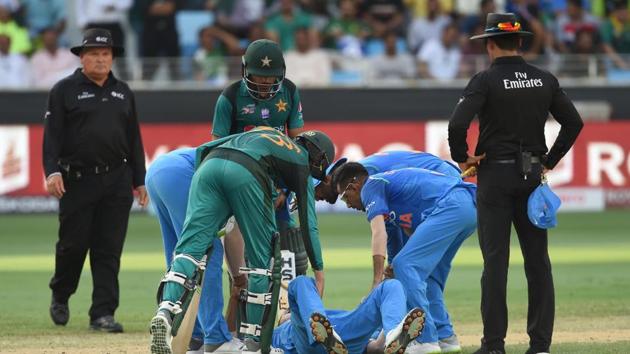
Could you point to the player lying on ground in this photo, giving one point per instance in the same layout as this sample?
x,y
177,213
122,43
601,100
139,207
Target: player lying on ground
x,y
437,212
389,161
235,177
314,330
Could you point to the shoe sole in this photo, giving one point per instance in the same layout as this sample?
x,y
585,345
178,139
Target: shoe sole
x,y
323,333
159,329
413,326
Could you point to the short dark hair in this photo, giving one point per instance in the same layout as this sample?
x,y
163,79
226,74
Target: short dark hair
x,y
506,41
348,173
576,3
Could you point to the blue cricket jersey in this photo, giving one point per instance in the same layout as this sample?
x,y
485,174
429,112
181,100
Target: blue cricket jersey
x,y
395,160
407,196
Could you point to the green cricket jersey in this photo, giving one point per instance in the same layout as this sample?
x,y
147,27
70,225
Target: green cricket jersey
x,y
282,111
287,164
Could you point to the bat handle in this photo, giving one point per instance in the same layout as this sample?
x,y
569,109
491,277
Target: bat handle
x,y
469,172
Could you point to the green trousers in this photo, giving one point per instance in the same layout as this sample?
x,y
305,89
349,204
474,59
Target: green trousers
x,y
222,188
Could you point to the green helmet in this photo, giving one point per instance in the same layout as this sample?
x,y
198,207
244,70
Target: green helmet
x,y
321,151
263,58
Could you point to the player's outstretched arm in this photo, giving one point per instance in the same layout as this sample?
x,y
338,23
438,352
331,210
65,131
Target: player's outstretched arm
x,y
379,248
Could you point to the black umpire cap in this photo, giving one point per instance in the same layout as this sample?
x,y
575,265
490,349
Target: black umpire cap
x,y
97,38
501,24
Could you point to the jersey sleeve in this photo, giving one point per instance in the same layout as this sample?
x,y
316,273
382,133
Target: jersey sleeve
x,y
53,130
296,119
373,196
305,195
469,105
222,121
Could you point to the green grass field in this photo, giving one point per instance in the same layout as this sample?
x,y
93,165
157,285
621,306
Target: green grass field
x,y
590,255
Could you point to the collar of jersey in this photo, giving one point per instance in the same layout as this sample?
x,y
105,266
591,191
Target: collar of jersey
x,y
517,59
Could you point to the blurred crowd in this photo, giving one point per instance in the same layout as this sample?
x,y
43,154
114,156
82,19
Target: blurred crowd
x,y
323,40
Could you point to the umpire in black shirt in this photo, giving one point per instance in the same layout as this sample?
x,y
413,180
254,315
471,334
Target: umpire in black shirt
x,y
512,100
93,156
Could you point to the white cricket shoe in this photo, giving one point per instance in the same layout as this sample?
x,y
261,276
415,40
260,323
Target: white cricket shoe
x,y
423,348
397,339
160,329
234,346
324,334
450,345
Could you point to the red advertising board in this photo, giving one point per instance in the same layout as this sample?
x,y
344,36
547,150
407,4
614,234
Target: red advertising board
x,y
600,158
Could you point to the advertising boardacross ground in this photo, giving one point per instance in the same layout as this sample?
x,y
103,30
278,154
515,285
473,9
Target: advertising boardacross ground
x,y
595,174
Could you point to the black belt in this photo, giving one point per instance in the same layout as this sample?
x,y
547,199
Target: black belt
x,y
535,159
78,172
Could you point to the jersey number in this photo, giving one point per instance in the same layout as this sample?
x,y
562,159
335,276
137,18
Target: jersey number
x,y
282,141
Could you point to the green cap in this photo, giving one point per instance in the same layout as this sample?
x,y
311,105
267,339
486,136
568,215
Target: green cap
x,y
322,142
264,58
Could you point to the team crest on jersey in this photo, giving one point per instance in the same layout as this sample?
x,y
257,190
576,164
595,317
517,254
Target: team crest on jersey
x,y
264,113
249,109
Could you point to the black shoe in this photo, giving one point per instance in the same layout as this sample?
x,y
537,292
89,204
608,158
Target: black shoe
x,y
59,312
106,324
195,345
483,350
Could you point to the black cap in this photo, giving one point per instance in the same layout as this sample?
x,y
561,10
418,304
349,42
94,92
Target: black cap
x,y
97,38
500,25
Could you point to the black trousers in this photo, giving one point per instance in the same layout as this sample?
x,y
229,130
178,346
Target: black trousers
x,y
93,216
502,196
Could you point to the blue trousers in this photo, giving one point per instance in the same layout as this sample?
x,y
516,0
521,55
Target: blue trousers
x,y
168,183
383,307
423,264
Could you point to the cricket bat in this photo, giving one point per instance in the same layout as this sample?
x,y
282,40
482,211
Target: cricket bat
x,y
288,274
180,342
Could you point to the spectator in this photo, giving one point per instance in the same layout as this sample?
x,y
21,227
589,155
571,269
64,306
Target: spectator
x,y
10,5
50,64
440,58
14,71
210,59
42,15
238,16
527,13
418,8
319,10
569,23
159,36
281,27
347,32
585,44
393,67
423,29
20,42
616,34
474,25
384,16
307,66
108,14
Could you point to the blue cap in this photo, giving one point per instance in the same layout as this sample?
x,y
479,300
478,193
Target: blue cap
x,y
330,170
542,206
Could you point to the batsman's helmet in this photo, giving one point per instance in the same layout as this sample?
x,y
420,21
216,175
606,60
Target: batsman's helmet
x,y
321,151
263,58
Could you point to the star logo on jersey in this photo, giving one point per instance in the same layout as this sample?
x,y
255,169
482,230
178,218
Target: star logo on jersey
x,y
266,62
281,106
